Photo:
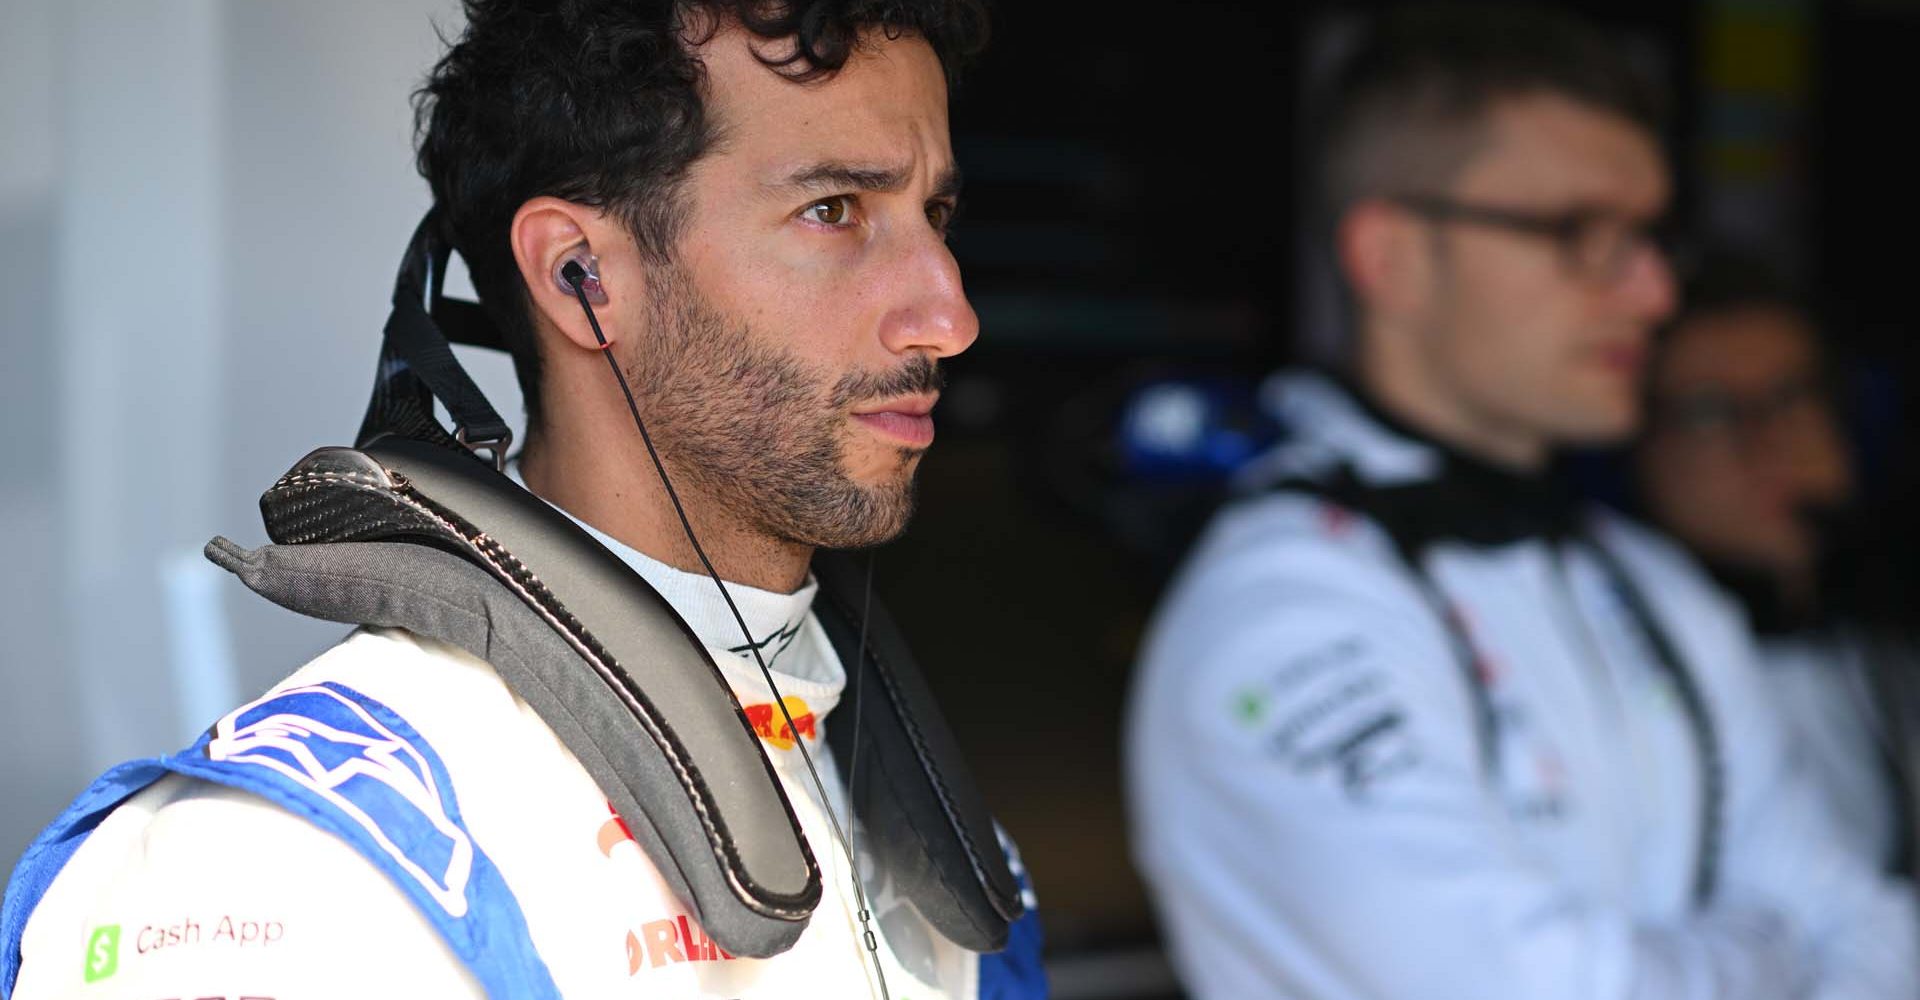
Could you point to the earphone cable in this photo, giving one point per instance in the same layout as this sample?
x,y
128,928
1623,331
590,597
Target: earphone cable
x,y
853,767
575,276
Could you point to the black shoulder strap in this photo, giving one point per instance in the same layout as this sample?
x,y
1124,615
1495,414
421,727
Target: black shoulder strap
x,y
1384,508
417,365
1693,702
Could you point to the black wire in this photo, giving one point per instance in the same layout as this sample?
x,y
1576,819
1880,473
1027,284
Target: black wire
x,y
853,767
575,276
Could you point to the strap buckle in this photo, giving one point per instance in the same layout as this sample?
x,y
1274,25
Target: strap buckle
x,y
496,444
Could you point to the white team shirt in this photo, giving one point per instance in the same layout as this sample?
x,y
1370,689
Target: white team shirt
x,y
1310,808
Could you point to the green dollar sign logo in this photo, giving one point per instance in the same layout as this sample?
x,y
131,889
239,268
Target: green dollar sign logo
x,y
103,953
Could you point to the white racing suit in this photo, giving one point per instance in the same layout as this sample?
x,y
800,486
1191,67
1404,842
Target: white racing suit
x,y
1823,680
1355,779
483,822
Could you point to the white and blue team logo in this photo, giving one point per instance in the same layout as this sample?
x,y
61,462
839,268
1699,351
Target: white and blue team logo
x,y
380,777
356,769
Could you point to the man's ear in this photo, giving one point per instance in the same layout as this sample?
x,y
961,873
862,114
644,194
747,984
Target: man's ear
x,y
548,232
1386,256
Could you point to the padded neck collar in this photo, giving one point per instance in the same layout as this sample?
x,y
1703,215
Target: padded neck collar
x,y
415,535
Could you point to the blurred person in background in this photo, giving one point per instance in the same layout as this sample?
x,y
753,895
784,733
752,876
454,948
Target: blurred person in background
x,y
1414,723
1744,460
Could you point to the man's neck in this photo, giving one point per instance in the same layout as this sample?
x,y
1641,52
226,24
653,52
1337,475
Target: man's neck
x,y
1410,390
597,484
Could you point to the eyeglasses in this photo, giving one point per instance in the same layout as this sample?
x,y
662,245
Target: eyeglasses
x,y
1718,414
1595,244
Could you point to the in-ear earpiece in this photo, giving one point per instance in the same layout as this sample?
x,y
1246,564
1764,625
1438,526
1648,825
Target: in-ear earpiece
x,y
582,281
579,272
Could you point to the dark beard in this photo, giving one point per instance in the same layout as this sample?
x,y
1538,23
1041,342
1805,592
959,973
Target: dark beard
x,y
749,426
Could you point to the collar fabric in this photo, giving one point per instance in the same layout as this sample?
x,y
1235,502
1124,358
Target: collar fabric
x,y
1431,490
794,647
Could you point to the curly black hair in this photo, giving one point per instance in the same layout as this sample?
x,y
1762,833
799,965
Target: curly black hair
x,y
600,102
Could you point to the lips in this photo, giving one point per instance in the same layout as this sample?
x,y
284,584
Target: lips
x,y
908,421
1624,358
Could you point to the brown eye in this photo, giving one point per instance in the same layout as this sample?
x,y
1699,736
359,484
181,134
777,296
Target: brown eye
x,y
940,216
831,211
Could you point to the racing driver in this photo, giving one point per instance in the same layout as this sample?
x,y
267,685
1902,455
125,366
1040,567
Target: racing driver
x,y
757,196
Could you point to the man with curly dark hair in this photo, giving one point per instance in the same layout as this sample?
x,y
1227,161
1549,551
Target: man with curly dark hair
x,y
753,199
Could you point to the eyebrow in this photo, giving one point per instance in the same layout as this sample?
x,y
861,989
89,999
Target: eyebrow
x,y
837,176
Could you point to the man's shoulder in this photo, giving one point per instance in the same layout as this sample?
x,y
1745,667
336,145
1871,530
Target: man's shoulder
x,y
189,838
1292,542
1292,607
390,786
1296,651
398,662
193,886
365,738
450,701
363,702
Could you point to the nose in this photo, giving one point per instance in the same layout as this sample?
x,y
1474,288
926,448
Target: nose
x,y
930,312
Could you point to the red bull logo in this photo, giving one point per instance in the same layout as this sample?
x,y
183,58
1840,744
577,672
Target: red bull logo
x,y
767,721
613,832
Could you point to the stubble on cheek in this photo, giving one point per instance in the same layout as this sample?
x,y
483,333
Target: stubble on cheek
x,y
759,433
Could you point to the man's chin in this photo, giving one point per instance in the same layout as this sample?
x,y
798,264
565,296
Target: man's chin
x,y
866,514
864,535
